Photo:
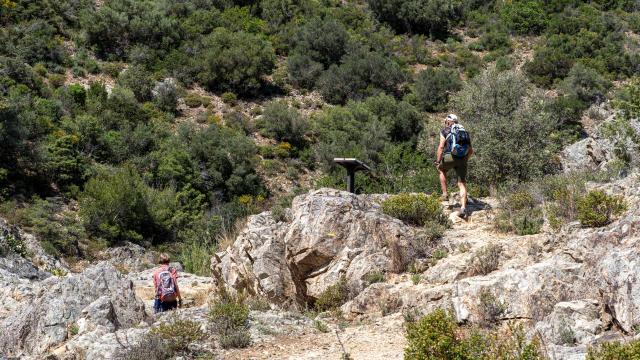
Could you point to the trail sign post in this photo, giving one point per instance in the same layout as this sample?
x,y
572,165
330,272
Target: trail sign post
x,y
352,165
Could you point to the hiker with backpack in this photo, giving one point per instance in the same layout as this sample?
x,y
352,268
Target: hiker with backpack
x,y
453,152
165,284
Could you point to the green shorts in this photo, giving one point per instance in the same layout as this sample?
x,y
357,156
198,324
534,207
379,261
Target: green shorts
x,y
460,166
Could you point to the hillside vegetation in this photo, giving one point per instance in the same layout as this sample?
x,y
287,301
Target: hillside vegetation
x,y
165,122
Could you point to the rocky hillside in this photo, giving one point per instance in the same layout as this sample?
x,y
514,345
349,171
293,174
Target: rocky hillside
x,y
578,281
207,129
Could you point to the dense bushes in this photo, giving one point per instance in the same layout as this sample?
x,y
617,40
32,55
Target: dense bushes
x,y
322,39
380,131
433,87
118,25
586,35
284,123
235,61
362,73
145,173
114,206
524,17
433,17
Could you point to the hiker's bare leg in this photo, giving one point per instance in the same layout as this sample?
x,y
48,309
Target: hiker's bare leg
x,y
463,194
443,182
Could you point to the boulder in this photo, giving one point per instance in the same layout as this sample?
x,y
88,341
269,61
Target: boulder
x,y
586,154
570,322
129,257
331,235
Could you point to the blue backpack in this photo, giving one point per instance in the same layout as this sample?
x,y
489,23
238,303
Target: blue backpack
x,y
459,140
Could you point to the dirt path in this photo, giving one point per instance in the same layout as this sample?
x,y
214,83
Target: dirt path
x,y
383,339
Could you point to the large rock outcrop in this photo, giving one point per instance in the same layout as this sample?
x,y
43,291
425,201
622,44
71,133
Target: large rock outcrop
x,y
48,312
330,234
612,138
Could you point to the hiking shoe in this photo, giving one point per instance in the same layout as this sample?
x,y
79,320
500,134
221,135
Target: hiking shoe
x,y
463,213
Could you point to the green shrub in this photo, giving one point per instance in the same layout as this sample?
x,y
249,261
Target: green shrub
x,y
59,232
166,96
235,61
113,206
193,100
322,39
195,257
433,87
302,71
333,296
524,17
438,254
374,277
628,100
229,317
362,73
493,109
40,69
17,245
598,209
415,209
504,63
114,29
564,192
581,34
520,213
113,69
615,350
415,278
528,222
320,326
586,84
494,39
63,162
56,80
240,19
566,336
284,123
138,80
229,98
179,333
435,336
438,336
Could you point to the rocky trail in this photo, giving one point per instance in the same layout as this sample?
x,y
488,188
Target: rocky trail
x,y
586,280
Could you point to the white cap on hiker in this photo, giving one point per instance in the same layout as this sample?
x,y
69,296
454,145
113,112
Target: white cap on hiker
x,y
452,117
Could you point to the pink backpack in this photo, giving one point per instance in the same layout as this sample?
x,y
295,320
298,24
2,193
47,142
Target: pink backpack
x,y
166,285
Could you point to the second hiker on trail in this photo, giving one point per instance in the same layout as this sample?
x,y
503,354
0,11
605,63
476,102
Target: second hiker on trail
x,y
453,152
165,284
